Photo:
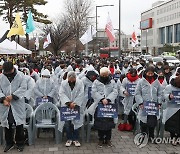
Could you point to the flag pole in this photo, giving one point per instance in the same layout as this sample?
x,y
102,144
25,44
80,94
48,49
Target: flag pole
x,y
86,47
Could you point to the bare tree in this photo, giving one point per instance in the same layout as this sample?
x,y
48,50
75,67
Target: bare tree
x,y
70,26
77,12
60,33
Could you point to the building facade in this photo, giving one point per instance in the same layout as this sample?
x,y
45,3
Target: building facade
x,y
165,28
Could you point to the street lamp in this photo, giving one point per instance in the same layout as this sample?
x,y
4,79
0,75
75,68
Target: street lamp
x,y
96,21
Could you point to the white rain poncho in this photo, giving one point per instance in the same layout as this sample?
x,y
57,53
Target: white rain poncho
x,y
77,96
29,94
45,87
147,92
18,88
100,91
128,100
171,109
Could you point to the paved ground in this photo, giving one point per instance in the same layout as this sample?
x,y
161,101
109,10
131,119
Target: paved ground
x,y
122,141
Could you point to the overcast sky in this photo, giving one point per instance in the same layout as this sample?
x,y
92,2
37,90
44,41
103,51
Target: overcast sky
x,y
130,13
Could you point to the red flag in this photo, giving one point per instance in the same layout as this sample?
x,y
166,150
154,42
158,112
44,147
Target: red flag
x,y
134,39
110,30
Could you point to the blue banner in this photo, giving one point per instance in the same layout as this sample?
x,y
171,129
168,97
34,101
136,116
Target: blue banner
x,y
41,100
131,89
89,92
107,111
69,114
176,99
116,76
151,108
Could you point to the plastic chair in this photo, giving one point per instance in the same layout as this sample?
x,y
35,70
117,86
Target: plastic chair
x,y
1,134
90,124
162,126
28,125
135,109
46,115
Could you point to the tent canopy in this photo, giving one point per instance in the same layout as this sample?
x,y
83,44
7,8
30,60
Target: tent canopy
x,y
8,47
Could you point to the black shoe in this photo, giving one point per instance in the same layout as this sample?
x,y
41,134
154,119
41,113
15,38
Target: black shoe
x,y
100,144
108,143
20,148
8,147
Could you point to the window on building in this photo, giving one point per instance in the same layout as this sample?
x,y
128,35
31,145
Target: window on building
x,y
174,15
157,12
164,19
177,33
162,35
169,34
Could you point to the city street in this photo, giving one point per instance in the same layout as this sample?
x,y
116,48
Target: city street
x,y
122,141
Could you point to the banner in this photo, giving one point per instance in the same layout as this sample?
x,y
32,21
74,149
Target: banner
x,y
151,108
110,30
40,100
69,114
107,111
131,89
88,35
17,28
30,23
89,92
116,77
176,99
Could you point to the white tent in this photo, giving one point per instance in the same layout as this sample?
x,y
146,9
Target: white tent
x,y
20,49
8,47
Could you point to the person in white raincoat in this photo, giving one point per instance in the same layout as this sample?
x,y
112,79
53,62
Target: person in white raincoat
x,y
29,94
63,76
172,112
128,90
148,90
45,87
12,105
88,80
163,83
71,95
104,90
125,68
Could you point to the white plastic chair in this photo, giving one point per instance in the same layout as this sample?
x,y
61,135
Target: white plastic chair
x,y
135,109
28,125
1,134
43,117
90,124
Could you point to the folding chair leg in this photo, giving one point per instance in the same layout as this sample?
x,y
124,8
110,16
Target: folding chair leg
x,y
88,133
30,137
82,134
162,128
157,129
1,135
57,138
